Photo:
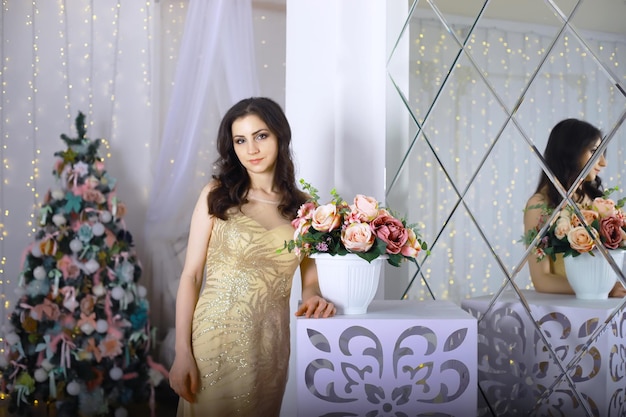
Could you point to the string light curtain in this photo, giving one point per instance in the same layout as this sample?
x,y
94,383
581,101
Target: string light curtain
x,y
59,57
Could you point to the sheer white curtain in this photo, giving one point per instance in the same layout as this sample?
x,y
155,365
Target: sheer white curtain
x,y
215,69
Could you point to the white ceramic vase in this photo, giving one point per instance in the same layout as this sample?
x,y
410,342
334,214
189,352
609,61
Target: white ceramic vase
x,y
348,281
592,277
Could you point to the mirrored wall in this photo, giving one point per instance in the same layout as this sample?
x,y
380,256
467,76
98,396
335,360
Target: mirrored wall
x,y
482,83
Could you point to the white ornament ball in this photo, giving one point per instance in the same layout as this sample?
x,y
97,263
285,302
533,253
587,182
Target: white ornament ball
x,y
40,375
121,412
105,216
92,266
12,338
59,220
57,194
102,326
73,388
142,292
19,291
45,364
118,293
76,245
36,250
87,328
98,290
116,373
97,229
39,273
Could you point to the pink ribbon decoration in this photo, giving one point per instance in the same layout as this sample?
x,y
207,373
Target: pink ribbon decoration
x,y
92,348
66,347
69,301
87,319
17,366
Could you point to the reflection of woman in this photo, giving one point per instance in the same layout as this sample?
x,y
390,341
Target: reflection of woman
x,y
571,144
232,339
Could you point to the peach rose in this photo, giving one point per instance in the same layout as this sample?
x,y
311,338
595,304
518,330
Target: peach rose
x,y
604,207
588,215
391,231
562,227
93,196
121,210
325,218
358,237
580,240
87,304
365,208
412,246
611,232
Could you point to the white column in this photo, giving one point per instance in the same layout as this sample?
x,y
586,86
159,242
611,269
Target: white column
x,y
336,101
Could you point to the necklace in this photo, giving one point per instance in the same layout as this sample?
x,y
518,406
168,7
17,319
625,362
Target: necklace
x,y
262,200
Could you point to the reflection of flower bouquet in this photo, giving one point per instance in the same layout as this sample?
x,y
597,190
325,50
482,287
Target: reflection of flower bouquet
x,y
363,228
604,219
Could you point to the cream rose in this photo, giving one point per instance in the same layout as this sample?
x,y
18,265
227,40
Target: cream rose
x,y
604,207
580,240
563,226
365,208
358,237
325,218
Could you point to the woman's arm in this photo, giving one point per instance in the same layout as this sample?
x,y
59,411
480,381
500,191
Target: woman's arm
x,y
184,378
543,279
313,304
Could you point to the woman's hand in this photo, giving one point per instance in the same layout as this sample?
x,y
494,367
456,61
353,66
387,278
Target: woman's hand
x,y
317,307
618,290
184,378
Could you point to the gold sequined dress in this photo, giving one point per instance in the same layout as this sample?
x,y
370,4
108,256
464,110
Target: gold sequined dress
x,y
240,329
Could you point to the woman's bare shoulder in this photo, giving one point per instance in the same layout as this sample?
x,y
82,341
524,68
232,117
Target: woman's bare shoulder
x,y
536,201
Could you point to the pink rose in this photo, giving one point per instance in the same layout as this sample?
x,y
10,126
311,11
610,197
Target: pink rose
x,y
562,227
325,218
412,246
357,237
604,207
580,240
365,208
611,232
306,210
391,231
588,215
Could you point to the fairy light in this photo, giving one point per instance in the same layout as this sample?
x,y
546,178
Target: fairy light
x,y
32,121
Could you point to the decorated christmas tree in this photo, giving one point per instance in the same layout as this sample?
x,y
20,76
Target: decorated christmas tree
x,y
79,338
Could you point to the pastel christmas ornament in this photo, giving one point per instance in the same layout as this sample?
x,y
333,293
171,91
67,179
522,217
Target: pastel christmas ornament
x,y
41,375
98,229
36,250
39,273
57,194
117,293
116,373
105,216
73,388
59,219
87,328
76,245
92,266
102,326
98,290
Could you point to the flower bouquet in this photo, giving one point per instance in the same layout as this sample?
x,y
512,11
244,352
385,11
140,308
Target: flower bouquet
x,y
363,228
604,219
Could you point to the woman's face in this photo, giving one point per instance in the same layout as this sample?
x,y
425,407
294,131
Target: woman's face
x,y
255,144
600,162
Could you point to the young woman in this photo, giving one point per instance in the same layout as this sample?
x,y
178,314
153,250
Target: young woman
x,y
570,145
232,336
